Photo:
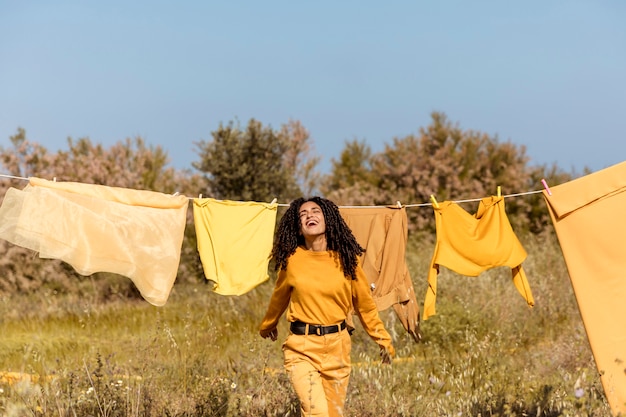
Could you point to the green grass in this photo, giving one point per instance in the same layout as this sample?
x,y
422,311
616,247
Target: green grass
x,y
485,353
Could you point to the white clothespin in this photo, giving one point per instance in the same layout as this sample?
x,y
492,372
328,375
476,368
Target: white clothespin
x,y
399,204
274,201
199,195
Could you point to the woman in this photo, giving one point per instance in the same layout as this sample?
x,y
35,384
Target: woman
x,y
319,283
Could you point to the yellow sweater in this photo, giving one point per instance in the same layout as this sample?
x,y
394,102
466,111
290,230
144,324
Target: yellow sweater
x,y
314,290
470,244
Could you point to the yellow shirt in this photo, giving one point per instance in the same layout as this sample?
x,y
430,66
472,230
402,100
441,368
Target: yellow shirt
x,y
314,290
383,232
471,244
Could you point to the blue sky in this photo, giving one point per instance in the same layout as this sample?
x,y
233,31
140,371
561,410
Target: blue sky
x,y
549,75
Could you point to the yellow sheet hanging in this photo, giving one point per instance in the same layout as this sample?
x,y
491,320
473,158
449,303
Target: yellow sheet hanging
x,y
588,214
96,228
234,242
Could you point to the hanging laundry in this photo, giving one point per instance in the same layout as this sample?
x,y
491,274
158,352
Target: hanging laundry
x,y
383,232
471,244
234,242
95,228
588,216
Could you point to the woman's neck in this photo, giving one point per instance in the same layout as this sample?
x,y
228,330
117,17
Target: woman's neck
x,y
316,244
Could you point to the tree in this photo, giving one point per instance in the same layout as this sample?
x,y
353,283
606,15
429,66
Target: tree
x,y
255,164
352,168
300,159
352,180
25,158
131,163
443,160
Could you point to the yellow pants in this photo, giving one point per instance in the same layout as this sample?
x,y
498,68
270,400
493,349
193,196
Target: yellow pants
x,y
319,370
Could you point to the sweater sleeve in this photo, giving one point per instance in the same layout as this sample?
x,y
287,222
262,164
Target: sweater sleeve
x,y
366,310
278,303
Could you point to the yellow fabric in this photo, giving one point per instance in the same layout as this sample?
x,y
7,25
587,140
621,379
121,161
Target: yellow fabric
x,y
314,290
96,228
471,244
588,216
140,198
234,242
383,232
319,370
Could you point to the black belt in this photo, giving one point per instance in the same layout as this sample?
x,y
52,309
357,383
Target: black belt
x,y
299,328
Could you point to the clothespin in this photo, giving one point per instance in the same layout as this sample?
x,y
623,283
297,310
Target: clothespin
x,y
199,195
175,194
399,204
54,179
545,185
499,191
434,200
274,201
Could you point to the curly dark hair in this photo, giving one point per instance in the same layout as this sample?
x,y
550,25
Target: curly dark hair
x,y
339,237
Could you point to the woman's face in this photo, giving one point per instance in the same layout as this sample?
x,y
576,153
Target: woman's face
x,y
312,223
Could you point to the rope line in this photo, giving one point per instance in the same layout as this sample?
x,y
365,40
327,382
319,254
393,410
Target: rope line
x,y
13,176
375,206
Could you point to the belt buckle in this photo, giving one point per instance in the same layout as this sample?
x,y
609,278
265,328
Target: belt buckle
x,y
318,331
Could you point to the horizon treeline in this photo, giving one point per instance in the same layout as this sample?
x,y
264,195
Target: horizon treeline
x,y
252,162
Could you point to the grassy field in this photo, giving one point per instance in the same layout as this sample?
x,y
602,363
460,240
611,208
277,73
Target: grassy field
x,y
484,354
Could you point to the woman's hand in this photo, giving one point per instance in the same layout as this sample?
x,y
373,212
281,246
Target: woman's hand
x,y
271,333
385,356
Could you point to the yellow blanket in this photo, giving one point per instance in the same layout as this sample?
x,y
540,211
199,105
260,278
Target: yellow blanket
x,y
588,216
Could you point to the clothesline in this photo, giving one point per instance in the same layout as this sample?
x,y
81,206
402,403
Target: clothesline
x,y
374,206
14,177
454,201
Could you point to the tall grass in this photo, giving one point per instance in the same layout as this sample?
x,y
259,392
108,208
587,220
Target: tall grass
x,y
485,353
